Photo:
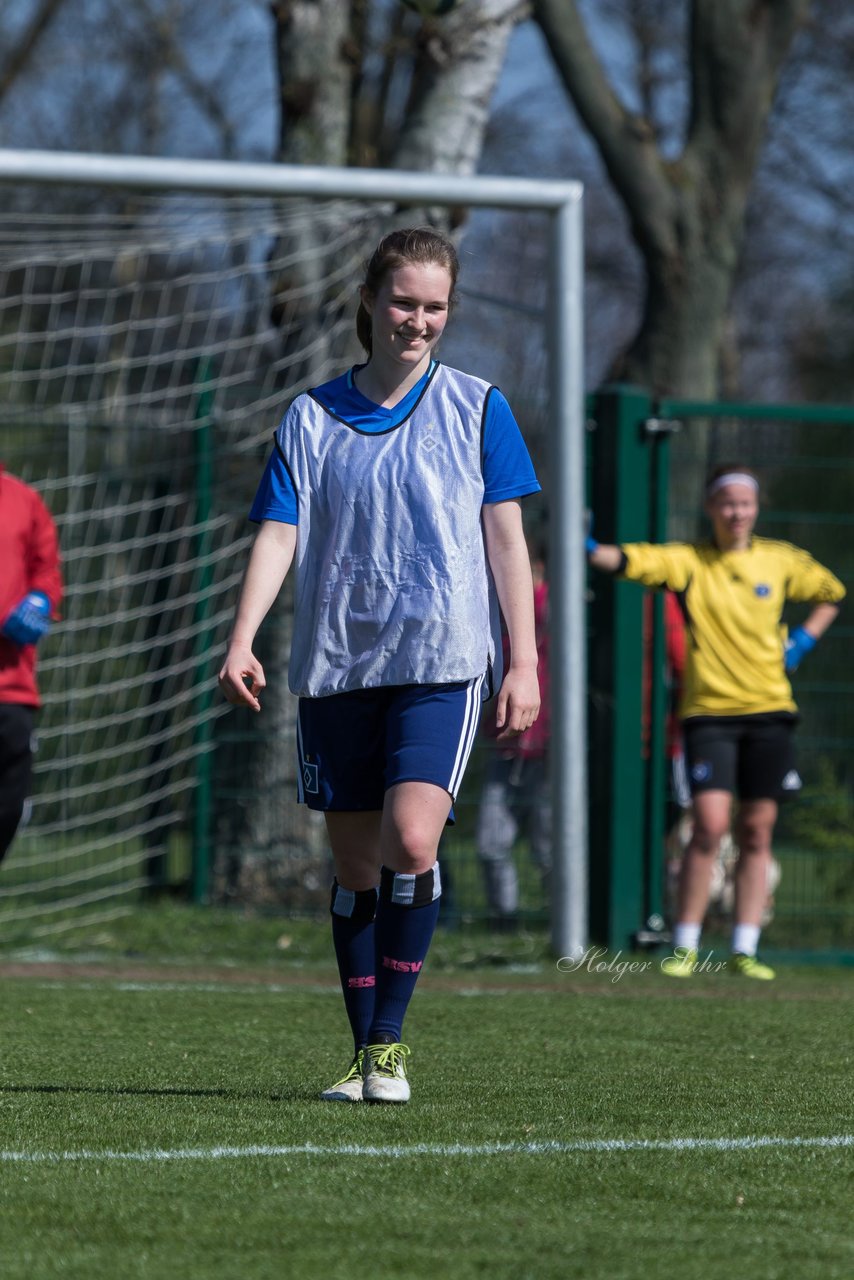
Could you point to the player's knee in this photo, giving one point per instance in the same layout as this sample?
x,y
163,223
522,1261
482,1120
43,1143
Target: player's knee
x,y
754,838
415,847
707,836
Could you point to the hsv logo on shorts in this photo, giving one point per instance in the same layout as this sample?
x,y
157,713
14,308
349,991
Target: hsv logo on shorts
x,y
309,778
792,781
701,771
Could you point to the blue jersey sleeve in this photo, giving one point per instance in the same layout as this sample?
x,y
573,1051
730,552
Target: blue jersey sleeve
x,y
507,468
276,498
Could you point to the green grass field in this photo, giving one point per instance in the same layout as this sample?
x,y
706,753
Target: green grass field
x,y
159,1080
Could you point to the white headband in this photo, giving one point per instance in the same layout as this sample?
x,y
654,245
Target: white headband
x,y
732,477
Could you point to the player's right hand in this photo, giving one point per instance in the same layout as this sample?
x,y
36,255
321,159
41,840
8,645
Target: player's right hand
x,y
29,620
242,678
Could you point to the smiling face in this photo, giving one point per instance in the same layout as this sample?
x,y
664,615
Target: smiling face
x,y
732,510
408,313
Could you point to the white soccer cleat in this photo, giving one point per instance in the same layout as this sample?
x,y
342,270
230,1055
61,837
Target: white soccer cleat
x,y
349,1087
385,1073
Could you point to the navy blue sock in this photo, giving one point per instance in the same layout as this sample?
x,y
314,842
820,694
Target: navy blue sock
x,y
353,912
407,912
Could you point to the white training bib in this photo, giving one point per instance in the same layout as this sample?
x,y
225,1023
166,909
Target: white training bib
x,y
392,584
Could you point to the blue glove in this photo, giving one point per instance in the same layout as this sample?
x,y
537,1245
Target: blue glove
x,y
798,645
29,620
590,543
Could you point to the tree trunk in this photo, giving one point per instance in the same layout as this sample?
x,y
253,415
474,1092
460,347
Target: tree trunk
x,y
461,61
315,68
687,216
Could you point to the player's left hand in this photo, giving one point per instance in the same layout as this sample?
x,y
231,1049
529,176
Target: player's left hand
x,y
29,620
518,702
798,645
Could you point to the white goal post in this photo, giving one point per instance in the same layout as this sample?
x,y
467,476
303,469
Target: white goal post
x,y
562,202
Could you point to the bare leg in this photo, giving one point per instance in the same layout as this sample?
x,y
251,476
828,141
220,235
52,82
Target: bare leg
x,y
711,817
711,822
755,829
355,842
413,820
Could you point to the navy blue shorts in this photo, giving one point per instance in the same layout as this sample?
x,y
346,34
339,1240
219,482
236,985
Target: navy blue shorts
x,y
353,746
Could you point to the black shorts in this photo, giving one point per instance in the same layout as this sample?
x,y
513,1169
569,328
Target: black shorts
x,y
16,756
751,756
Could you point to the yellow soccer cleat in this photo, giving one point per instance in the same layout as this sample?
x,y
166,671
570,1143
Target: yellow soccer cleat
x,y
681,964
750,967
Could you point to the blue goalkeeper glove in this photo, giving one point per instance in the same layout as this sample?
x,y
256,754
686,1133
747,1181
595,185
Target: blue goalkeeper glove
x,y
29,620
798,645
590,543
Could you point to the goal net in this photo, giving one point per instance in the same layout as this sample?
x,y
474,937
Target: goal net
x,y
148,346
146,350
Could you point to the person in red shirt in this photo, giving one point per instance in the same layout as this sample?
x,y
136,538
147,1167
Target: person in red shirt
x,y
30,591
516,794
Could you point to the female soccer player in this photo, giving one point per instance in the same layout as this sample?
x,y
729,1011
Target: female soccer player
x,y
397,487
737,711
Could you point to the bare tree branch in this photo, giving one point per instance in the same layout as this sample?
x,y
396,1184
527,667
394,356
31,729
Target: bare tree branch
x,y
18,59
626,141
171,56
737,51
687,216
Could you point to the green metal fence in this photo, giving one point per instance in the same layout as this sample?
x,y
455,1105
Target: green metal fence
x,y
648,461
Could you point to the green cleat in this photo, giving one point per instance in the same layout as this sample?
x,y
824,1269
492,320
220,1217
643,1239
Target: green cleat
x,y
385,1073
680,964
349,1087
750,967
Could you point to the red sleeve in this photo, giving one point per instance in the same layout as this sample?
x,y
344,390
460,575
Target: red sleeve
x,y
674,635
43,571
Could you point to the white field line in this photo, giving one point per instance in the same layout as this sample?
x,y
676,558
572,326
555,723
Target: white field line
x,y
220,988
581,1146
247,988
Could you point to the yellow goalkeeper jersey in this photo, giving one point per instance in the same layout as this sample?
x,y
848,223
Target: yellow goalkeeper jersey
x,y
733,603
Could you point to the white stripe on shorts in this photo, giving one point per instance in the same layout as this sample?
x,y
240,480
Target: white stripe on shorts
x,y
471,720
300,762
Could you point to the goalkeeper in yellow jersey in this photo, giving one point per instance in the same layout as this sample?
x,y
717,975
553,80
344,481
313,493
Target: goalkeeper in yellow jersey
x,y
737,711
